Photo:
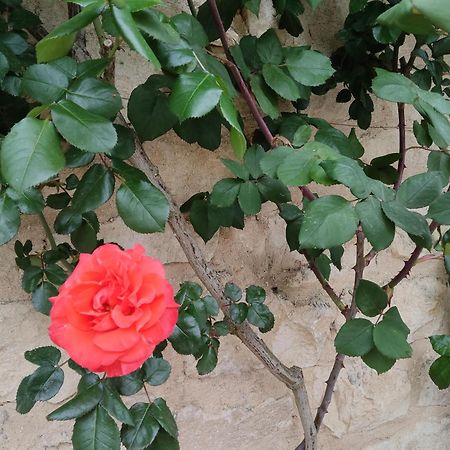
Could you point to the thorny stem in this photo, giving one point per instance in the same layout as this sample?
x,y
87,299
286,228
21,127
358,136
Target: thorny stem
x,y
401,126
339,359
410,263
326,286
51,239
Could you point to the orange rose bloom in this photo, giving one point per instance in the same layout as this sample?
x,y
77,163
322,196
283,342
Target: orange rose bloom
x,y
113,310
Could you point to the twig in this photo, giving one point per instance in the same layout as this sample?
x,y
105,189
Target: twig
x,y
409,264
359,268
326,286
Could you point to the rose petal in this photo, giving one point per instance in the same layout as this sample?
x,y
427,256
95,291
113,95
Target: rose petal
x,y
117,340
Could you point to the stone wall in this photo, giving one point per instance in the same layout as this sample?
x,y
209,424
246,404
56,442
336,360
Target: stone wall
x,y
240,406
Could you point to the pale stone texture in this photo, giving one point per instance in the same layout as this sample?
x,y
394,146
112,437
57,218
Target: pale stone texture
x,y
240,406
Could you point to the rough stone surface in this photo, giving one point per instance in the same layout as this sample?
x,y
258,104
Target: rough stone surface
x,y
240,406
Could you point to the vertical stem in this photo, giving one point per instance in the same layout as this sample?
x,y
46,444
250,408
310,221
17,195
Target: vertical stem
x,y
48,231
402,144
192,8
51,240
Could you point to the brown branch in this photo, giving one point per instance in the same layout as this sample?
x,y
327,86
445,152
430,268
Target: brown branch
x,y
339,359
410,263
299,390
335,298
213,282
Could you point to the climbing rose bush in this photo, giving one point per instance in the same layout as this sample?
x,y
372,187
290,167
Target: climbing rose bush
x,y
113,310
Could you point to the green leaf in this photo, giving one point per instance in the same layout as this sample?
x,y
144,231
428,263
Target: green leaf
x,y
273,190
84,238
55,274
132,36
355,338
252,159
188,292
230,114
375,360
379,230
31,154
420,190
96,431
211,305
308,67
128,384
440,372
440,127
194,95
265,96
337,140
83,129
302,135
255,294
125,146
60,40
390,338
269,49
273,159
394,87
249,198
371,299
260,316
94,189
225,192
67,221
439,210
238,312
253,6
435,11
4,66
439,162
441,344
164,441
328,222
299,168
9,219
156,25
149,111
42,385
43,356
44,83
190,29
30,201
41,295
227,10
84,402
78,158
411,222
348,172
143,433
237,169
406,17
232,292
314,3
96,96
280,82
32,276
163,415
186,335
112,402
208,361
141,206
157,371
